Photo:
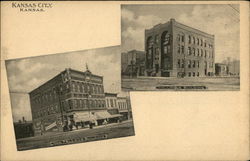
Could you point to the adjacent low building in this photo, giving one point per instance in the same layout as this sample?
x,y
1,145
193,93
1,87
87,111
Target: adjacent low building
x,y
133,63
221,69
23,129
177,50
124,107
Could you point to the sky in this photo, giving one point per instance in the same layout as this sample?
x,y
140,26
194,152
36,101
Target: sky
x,y
219,20
26,74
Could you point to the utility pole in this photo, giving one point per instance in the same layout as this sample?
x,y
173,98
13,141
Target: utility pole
x,y
58,91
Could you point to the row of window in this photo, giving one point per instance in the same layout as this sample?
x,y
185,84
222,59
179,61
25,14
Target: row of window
x,y
195,52
111,102
122,105
83,103
193,64
46,97
87,88
47,111
194,40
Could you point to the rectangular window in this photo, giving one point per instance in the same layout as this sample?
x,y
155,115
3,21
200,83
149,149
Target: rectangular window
x,y
193,74
189,50
179,63
182,49
182,63
194,64
189,63
182,38
178,49
189,39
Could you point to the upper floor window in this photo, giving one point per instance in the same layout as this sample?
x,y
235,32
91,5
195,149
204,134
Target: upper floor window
x,y
189,39
189,63
182,38
193,40
182,49
198,41
193,51
189,50
179,63
179,49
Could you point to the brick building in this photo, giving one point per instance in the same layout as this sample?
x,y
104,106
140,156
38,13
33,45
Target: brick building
x,y
69,96
176,50
133,63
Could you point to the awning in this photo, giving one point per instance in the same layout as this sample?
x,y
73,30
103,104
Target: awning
x,y
115,115
102,115
78,117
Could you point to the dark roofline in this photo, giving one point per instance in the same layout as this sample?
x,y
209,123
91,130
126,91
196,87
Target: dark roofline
x,y
85,72
195,29
61,73
179,24
47,81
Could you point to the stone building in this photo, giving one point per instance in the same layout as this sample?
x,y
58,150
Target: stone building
x,y
133,63
70,96
176,50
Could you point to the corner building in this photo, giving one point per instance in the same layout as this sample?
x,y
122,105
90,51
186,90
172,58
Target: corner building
x,y
71,95
176,50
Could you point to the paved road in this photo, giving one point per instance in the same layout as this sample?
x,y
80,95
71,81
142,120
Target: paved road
x,y
212,84
78,136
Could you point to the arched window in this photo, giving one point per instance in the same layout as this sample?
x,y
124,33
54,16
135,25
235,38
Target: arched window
x,y
165,41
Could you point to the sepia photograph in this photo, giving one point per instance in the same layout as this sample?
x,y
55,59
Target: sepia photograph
x,y
180,47
68,98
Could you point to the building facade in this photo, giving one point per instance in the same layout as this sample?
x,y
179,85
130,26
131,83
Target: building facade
x,y
111,103
71,96
133,63
124,107
176,50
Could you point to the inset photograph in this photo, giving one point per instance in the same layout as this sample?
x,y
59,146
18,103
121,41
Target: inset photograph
x,y
68,98
180,47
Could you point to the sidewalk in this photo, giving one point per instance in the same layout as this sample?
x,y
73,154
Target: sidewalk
x,y
53,134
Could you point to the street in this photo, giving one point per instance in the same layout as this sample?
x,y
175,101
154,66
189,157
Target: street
x,y
114,130
211,83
